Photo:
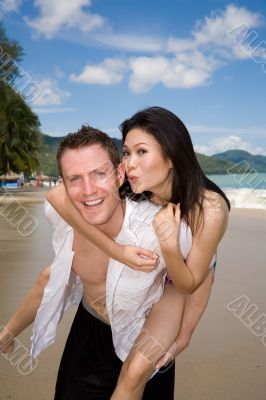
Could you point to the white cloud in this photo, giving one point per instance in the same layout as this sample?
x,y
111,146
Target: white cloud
x,y
7,6
178,63
53,110
58,14
54,132
183,71
108,72
180,45
227,131
211,35
50,93
196,59
131,42
228,143
218,31
146,72
215,28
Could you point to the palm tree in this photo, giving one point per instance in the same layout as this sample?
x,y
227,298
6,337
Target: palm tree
x,y
11,54
19,126
19,133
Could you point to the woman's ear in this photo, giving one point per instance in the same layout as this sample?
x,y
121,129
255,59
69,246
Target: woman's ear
x,y
170,164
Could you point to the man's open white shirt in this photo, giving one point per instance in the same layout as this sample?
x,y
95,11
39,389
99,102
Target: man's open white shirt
x,y
130,294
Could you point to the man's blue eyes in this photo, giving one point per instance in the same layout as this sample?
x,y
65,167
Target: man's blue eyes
x,y
96,174
75,179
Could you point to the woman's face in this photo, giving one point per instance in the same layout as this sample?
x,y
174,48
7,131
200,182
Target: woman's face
x,y
146,168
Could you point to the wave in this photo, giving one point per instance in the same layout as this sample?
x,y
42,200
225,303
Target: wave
x,y
247,198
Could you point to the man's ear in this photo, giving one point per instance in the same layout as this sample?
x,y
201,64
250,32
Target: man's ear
x,y
121,173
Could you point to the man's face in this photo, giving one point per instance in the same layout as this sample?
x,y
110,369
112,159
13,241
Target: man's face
x,y
92,182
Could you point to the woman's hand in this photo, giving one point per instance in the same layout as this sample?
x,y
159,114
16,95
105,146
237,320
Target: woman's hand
x,y
139,259
167,223
7,344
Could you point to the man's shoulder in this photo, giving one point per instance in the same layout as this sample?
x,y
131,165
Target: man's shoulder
x,y
58,224
143,210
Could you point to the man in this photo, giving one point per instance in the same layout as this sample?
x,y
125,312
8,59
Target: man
x,y
92,173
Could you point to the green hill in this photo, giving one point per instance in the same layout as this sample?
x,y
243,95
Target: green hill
x,y
256,163
210,165
47,155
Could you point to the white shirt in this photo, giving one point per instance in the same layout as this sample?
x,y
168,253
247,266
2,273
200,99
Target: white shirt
x,y
129,294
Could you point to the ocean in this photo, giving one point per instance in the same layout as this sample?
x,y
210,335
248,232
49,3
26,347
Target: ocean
x,y
243,190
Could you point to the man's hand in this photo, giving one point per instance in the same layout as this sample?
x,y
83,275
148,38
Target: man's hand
x,y
168,357
139,259
6,341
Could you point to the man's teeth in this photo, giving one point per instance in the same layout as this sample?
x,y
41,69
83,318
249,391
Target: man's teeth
x,y
93,202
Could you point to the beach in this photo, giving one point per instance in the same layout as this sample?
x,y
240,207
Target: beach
x,y
226,358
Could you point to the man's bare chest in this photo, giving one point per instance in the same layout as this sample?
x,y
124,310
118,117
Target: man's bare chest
x,y
89,262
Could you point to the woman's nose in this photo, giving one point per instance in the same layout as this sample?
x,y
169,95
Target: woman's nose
x,y
131,162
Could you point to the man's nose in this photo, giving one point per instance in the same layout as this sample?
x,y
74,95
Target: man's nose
x,y
89,187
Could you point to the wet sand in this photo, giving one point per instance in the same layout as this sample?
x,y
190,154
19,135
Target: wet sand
x,y
225,359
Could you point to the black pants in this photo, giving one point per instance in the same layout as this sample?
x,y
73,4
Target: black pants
x,y
89,368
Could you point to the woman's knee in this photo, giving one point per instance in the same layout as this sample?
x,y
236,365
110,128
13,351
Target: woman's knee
x,y
136,371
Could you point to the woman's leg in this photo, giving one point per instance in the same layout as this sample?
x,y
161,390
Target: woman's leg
x,y
160,330
194,307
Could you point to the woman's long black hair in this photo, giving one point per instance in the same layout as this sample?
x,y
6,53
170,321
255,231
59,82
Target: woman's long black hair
x,y
189,181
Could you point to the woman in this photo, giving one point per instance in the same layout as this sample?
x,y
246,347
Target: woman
x,y
161,165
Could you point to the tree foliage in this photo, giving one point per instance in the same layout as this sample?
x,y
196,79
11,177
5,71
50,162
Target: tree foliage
x,y
19,126
11,53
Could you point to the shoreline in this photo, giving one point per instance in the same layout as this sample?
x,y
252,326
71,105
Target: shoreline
x,y
33,195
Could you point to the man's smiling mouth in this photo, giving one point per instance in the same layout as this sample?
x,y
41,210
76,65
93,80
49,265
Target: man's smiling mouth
x,y
92,203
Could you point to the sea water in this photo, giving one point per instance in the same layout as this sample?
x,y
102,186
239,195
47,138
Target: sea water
x,y
247,190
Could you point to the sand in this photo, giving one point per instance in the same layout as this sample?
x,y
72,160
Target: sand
x,y
225,360
22,196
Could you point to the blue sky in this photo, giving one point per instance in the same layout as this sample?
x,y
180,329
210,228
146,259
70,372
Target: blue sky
x,y
99,61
